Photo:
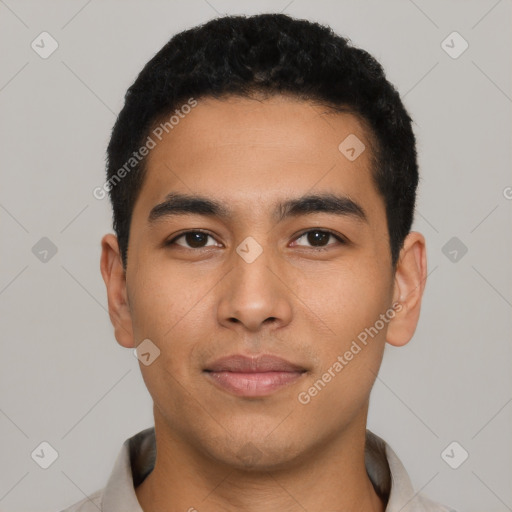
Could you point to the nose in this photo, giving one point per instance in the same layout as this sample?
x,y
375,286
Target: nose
x,y
254,295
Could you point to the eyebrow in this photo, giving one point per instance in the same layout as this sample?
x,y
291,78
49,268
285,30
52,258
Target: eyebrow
x,y
182,204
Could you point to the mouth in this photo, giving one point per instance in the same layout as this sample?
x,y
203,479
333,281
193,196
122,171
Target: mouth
x,y
253,376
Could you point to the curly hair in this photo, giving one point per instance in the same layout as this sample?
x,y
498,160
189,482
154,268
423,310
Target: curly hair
x,y
269,54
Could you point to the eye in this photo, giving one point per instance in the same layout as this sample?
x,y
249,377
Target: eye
x,y
192,240
319,238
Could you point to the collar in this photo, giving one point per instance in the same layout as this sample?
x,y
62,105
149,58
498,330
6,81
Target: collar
x,y
387,474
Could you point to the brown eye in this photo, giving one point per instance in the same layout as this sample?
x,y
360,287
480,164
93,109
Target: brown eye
x,y
192,240
318,238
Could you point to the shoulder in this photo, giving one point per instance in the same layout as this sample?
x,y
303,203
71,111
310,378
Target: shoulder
x,y
91,503
390,478
428,505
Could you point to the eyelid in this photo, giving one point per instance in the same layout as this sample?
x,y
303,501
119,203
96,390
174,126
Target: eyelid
x,y
172,240
340,238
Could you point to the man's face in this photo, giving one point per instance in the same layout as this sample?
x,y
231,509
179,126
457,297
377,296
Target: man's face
x,y
259,280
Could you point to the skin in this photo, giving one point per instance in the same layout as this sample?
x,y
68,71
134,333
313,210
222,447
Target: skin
x,y
201,303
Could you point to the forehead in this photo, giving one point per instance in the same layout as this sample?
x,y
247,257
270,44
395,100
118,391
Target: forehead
x,y
250,152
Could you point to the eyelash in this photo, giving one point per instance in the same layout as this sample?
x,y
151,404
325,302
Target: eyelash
x,y
338,237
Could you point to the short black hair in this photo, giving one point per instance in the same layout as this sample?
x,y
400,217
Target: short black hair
x,y
267,54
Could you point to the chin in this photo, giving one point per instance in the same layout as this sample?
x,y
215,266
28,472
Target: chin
x,y
252,455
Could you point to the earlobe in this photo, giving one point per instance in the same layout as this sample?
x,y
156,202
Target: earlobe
x,y
114,276
410,277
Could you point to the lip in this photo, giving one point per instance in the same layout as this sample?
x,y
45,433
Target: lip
x,y
253,376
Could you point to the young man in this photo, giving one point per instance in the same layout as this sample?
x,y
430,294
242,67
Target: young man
x,y
263,177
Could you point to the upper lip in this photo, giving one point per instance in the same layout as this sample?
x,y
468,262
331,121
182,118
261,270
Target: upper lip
x,y
254,364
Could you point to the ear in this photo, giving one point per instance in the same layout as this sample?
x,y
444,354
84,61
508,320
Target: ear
x,y
114,276
410,278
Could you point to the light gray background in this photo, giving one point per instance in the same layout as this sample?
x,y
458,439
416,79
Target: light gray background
x,y
65,380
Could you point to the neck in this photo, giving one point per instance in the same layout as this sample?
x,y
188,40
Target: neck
x,y
185,479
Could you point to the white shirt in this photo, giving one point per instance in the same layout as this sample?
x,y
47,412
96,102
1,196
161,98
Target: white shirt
x,y
137,458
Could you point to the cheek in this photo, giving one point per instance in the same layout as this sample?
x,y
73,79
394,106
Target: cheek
x,y
174,310
350,303
344,299
336,397
164,299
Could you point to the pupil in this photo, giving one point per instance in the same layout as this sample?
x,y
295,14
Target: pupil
x,y
318,236
196,239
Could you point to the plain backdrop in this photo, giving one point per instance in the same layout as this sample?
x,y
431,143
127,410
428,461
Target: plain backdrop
x,y
64,379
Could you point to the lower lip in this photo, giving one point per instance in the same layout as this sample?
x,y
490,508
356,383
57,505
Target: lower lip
x,y
253,384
